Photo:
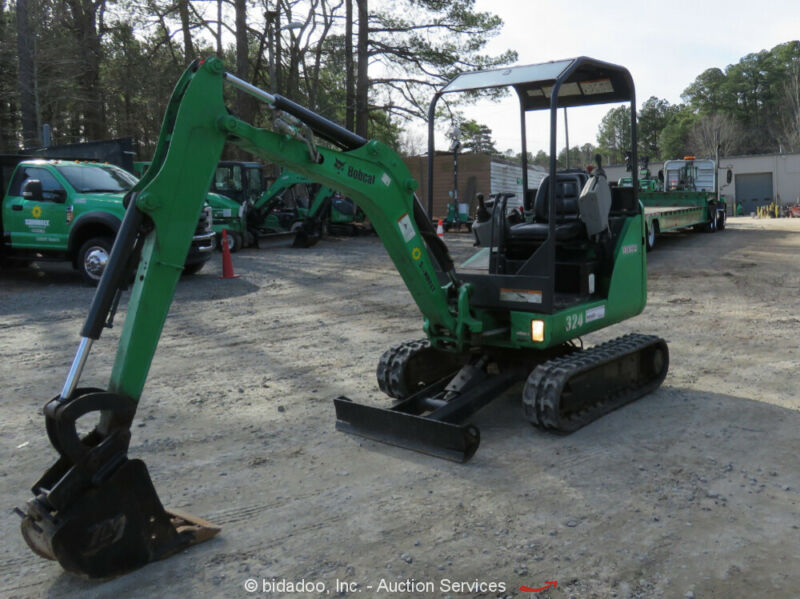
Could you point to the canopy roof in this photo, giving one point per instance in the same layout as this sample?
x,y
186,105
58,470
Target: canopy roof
x,y
584,81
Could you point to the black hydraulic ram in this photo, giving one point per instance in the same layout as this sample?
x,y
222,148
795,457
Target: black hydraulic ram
x,y
323,127
347,140
123,259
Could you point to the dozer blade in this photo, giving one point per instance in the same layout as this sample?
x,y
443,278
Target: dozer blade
x,y
113,528
454,442
276,240
425,421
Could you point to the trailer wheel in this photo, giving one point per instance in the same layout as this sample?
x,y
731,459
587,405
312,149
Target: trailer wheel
x,y
720,221
651,235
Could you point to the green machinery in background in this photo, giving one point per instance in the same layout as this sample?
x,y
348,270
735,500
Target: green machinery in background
x,y
226,212
296,204
293,207
646,181
511,315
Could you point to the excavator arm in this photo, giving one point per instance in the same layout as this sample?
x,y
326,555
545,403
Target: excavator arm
x,y
195,131
165,204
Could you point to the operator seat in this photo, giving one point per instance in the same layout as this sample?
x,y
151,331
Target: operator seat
x,y
568,224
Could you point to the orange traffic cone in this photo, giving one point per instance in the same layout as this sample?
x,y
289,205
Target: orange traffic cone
x,y
440,229
227,263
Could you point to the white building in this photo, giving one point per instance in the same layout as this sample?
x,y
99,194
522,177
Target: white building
x,y
756,180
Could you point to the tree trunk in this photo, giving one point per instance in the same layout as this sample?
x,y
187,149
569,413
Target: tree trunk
x,y
243,101
84,26
188,48
362,80
30,134
8,121
350,87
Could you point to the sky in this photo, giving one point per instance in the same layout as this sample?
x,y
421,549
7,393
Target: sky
x,y
664,45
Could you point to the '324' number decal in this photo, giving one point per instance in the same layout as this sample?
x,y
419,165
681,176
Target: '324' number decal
x,y
574,321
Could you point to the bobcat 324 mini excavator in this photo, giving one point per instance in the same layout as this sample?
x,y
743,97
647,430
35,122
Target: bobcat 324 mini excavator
x,y
509,316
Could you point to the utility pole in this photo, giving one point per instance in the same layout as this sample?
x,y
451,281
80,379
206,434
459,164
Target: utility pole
x,y
219,29
455,147
272,18
566,133
716,172
27,77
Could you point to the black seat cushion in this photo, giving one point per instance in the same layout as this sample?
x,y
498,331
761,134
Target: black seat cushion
x,y
570,229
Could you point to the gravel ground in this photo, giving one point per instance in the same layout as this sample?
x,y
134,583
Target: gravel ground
x,y
691,491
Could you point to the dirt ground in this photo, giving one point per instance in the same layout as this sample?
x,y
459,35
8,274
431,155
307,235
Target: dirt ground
x,y
692,491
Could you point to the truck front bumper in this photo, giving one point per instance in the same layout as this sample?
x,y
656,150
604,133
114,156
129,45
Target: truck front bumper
x,y
201,248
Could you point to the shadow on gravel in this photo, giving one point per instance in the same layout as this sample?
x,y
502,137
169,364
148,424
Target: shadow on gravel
x,y
690,241
672,423
39,274
203,287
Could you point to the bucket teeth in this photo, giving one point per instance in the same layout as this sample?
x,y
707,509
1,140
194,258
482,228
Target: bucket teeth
x,y
187,524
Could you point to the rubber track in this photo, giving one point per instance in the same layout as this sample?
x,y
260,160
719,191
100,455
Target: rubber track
x,y
391,367
542,393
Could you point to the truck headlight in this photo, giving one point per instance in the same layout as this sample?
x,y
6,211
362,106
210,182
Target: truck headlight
x,y
537,331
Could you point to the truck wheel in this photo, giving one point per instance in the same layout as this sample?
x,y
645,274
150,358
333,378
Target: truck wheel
x,y
720,221
193,269
234,242
651,236
93,258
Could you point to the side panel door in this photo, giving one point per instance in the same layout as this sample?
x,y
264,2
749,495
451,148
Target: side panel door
x,y
32,224
254,184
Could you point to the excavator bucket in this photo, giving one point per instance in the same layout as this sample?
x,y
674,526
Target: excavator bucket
x,y
95,511
113,528
305,239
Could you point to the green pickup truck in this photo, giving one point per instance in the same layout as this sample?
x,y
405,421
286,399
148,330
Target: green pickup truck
x,y
72,210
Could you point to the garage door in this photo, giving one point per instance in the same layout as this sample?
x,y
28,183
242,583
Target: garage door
x,y
753,189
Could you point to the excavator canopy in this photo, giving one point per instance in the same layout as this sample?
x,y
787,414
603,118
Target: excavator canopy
x,y
583,81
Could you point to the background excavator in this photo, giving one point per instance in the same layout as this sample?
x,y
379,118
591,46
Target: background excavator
x,y
296,204
509,315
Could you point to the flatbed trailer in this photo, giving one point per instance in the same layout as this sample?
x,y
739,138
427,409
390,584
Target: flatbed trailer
x,y
665,212
689,200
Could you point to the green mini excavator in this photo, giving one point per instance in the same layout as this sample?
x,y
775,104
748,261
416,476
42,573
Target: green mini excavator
x,y
509,315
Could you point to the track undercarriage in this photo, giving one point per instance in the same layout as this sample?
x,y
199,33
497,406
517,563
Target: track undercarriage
x,y
438,391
